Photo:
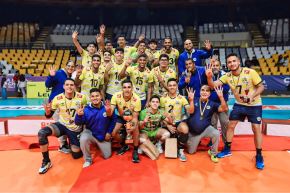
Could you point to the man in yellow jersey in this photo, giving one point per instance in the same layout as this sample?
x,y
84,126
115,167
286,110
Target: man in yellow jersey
x,y
150,51
67,104
173,103
112,74
170,51
127,103
246,86
93,78
128,50
91,48
140,77
109,47
140,51
160,75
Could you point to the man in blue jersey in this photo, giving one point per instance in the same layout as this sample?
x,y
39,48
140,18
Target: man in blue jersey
x,y
196,55
199,121
96,117
193,77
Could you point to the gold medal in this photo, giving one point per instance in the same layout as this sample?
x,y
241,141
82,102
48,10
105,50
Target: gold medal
x,y
201,111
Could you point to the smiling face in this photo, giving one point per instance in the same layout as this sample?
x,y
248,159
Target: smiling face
x,y
172,87
233,63
216,66
121,42
96,98
107,56
142,61
167,44
127,89
163,62
96,62
91,48
70,67
119,55
188,45
69,87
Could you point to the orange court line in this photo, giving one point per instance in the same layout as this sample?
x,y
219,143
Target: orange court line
x,y
232,174
19,172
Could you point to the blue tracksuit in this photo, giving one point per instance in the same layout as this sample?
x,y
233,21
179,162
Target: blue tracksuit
x,y
95,120
196,55
56,83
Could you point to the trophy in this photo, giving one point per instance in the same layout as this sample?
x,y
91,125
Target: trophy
x,y
127,116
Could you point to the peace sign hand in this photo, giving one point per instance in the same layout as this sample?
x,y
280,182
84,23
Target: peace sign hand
x,y
47,108
190,93
52,70
80,110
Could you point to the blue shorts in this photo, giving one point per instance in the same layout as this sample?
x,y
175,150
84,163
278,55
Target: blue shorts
x,y
72,135
108,96
240,112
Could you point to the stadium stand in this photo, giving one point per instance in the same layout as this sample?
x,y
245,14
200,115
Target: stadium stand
x,y
18,33
67,29
158,32
224,27
34,62
277,30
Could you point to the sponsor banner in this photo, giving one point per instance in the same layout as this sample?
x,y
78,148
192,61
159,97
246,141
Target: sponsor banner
x,y
2,128
276,83
37,90
11,83
26,127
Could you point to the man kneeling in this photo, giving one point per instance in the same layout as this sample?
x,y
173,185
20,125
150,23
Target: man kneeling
x,y
66,104
199,121
96,118
150,125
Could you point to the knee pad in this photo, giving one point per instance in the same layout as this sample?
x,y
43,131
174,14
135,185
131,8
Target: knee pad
x,y
182,138
43,134
77,155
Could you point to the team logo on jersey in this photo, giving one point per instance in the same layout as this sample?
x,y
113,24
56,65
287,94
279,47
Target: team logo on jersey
x,y
247,71
59,97
194,59
104,114
258,118
177,102
207,107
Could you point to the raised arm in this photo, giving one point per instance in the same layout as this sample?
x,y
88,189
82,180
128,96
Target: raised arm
x,y
223,107
209,76
76,42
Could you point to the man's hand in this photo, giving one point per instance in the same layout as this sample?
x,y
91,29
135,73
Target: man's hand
x,y
52,71
128,62
75,35
109,67
219,91
108,105
207,44
102,29
80,110
141,37
108,137
47,108
208,71
171,128
79,70
190,94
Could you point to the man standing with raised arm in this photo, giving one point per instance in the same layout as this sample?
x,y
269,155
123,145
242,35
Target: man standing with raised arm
x,y
246,86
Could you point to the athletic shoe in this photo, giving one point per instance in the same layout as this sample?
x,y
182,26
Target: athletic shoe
x,y
224,153
182,156
87,164
209,144
65,149
212,156
44,167
159,147
260,162
135,157
123,149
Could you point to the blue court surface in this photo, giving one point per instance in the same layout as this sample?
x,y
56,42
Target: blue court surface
x,y
274,108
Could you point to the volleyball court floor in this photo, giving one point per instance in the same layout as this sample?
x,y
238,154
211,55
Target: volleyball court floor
x,y
21,159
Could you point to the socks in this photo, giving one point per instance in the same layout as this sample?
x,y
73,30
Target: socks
x,y
259,151
228,145
135,148
45,156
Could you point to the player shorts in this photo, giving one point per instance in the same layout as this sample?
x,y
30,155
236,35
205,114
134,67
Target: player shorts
x,y
253,113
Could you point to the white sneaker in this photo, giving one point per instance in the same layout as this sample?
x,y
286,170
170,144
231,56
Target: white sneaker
x,y
87,164
159,147
181,155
